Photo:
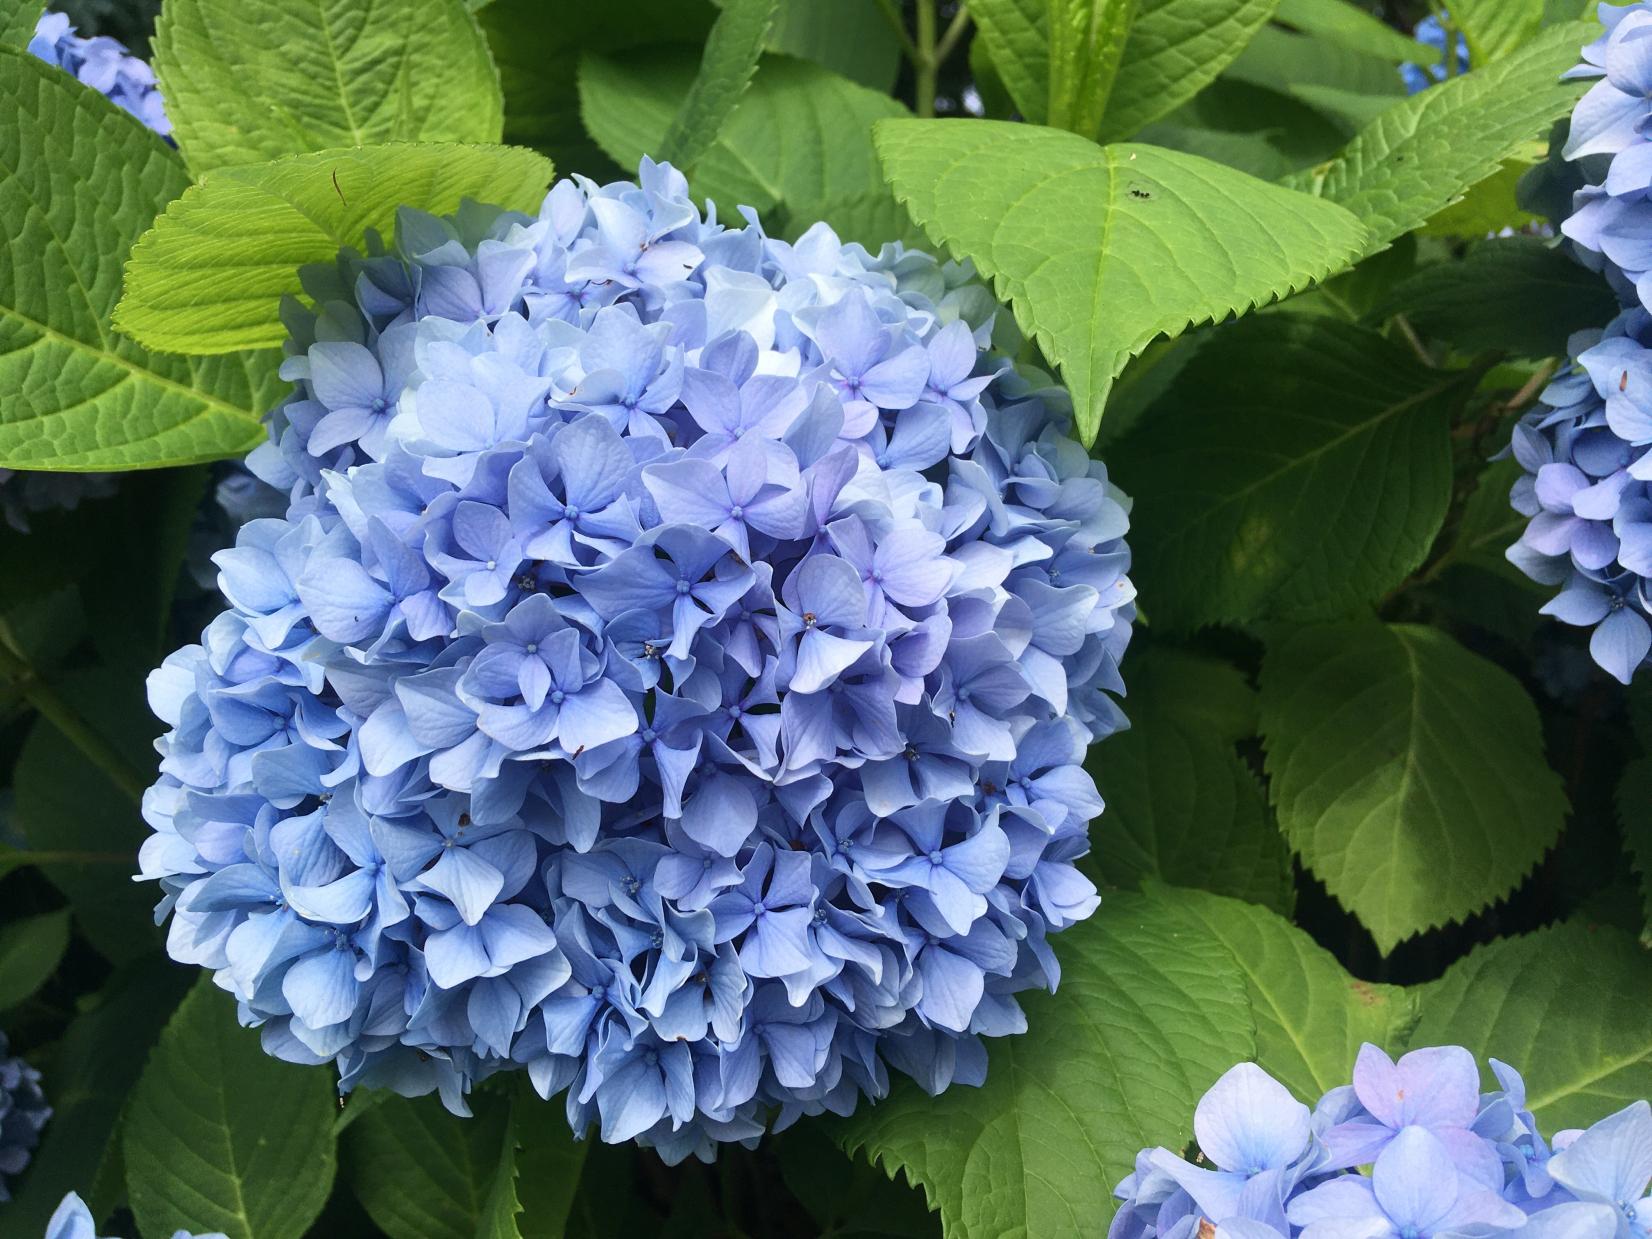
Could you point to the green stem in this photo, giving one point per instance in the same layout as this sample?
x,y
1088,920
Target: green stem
x,y
52,707
954,32
892,14
925,65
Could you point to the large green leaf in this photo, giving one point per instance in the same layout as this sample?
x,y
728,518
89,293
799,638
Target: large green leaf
x,y
1181,804
1513,295
1087,40
78,396
222,1136
1311,1016
1151,1010
210,276
1100,249
538,58
726,69
93,1069
251,80
30,949
549,1162
851,37
422,1173
1305,485
1173,50
1422,155
1408,773
1494,28
799,141
1347,25
1565,1005
17,21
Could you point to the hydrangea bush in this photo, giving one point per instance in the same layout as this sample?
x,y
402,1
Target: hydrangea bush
x,y
636,624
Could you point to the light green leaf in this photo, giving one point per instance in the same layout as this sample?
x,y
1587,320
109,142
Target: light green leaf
x,y
1151,1010
1305,487
1408,773
94,1067
800,140
538,63
1565,1005
726,69
222,1136
78,396
1515,295
29,953
1347,25
1311,1016
1016,34
1181,804
1491,206
17,21
209,277
1422,155
1100,249
1494,28
247,81
1086,46
1252,128
422,1173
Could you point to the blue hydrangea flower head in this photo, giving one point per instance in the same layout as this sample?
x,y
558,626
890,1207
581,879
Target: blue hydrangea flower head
x,y
73,1220
1431,34
1408,1150
670,676
23,1112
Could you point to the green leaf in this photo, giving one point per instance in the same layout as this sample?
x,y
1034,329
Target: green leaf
x,y
17,21
1494,28
1086,46
1181,804
726,69
247,81
222,1136
849,37
209,277
92,1072
1422,155
1311,1016
422,1173
549,1162
1305,487
29,953
1634,795
847,1196
1565,1005
1491,206
1151,1010
1347,25
1408,773
78,395
1016,34
1100,249
1249,127
800,139
538,64
1515,295
64,802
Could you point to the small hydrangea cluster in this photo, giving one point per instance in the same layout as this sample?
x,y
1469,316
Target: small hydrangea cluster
x,y
103,65
73,1220
1584,446
672,675
1411,1149
23,1112
1431,33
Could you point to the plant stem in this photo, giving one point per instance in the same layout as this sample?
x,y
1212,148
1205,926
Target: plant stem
x,y
892,14
925,65
954,32
52,707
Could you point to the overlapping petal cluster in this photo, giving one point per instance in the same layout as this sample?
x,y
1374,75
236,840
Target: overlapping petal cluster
x,y
1411,1149
104,65
1585,446
23,1112
1431,34
672,676
73,1220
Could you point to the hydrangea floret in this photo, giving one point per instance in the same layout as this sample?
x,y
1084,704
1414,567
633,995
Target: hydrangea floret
x,y
104,65
1585,445
72,1219
671,677
1410,1149
23,1112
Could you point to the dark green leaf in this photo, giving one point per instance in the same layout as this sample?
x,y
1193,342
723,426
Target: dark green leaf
x,y
29,953
223,1137
1306,485
422,1173
1635,816
1347,25
850,37
1408,773
549,1163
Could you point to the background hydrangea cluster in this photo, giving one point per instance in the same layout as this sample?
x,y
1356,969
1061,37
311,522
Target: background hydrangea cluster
x,y
73,1220
23,1112
1430,32
104,65
1410,1148
672,675
1584,445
